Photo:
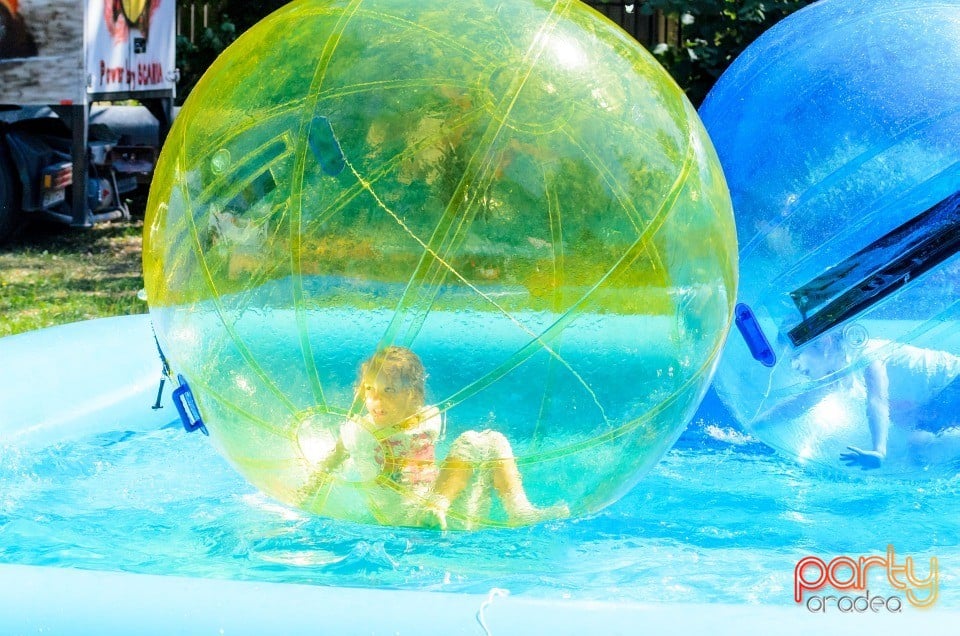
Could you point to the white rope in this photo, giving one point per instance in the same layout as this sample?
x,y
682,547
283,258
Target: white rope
x,y
494,593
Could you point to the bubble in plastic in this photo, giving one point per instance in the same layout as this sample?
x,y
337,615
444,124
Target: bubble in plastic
x,y
515,191
839,134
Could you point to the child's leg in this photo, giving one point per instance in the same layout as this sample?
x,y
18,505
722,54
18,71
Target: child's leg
x,y
488,451
455,474
935,438
506,475
508,483
939,450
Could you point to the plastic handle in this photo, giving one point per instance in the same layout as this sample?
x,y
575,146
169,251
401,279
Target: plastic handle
x,y
753,335
187,407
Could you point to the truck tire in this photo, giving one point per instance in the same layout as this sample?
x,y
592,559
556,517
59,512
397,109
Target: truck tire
x,y
9,195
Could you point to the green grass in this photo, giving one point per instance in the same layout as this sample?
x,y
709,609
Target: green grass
x,y
52,275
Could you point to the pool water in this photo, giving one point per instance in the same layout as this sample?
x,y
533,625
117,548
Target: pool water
x,y
586,417
721,519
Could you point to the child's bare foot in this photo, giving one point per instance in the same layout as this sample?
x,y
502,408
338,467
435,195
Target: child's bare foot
x,y
532,514
434,514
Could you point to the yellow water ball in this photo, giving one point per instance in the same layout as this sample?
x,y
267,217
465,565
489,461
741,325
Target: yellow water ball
x,y
434,264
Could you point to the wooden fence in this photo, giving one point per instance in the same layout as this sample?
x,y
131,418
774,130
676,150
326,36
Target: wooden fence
x,y
649,30
192,19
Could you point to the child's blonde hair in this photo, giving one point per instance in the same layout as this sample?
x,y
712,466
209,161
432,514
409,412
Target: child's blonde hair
x,y
398,364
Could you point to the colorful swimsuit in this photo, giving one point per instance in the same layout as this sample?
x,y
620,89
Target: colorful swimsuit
x,y
402,463
407,457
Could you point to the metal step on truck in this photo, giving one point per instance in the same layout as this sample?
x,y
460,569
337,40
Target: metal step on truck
x,y
71,143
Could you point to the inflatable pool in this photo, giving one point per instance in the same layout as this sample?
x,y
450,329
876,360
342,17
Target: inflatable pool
x,y
114,520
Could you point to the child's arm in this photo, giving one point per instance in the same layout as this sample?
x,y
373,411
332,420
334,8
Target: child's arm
x,y
321,474
335,459
878,418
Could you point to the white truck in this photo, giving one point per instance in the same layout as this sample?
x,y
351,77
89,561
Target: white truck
x,y
62,154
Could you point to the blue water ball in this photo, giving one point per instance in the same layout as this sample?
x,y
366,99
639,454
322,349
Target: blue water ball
x,y
839,134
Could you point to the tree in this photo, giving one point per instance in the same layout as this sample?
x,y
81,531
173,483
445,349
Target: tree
x,y
714,33
194,57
